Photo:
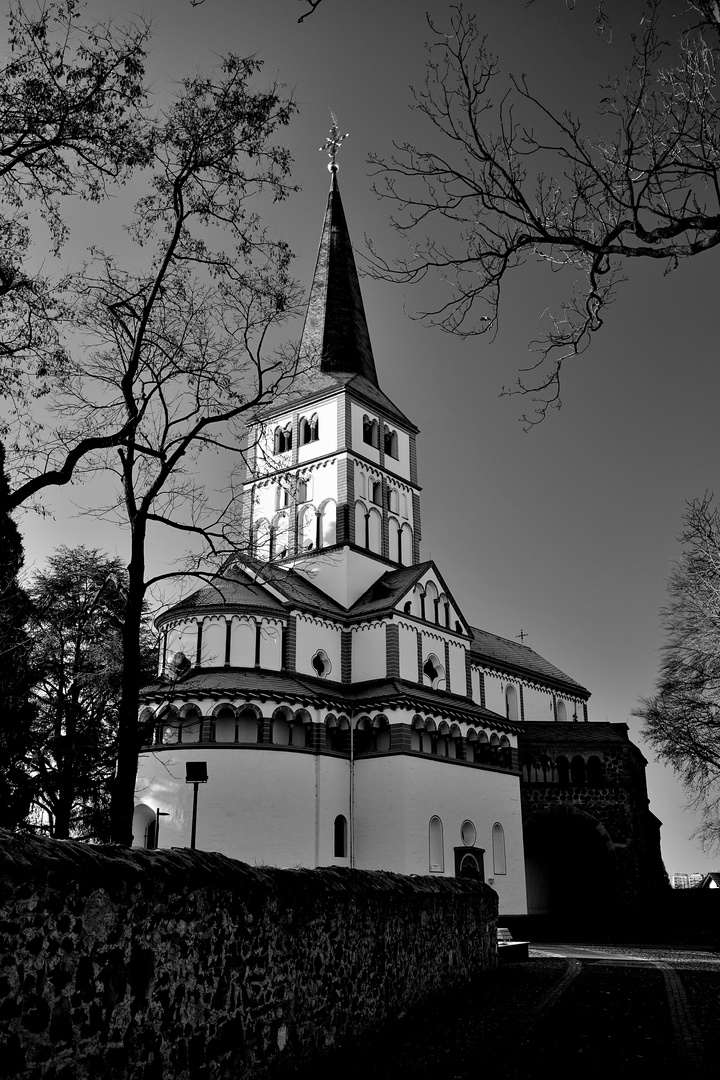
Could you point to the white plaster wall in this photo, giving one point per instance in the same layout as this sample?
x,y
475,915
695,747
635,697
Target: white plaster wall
x,y
271,644
214,633
183,638
408,652
313,635
368,652
261,805
326,442
538,704
495,693
396,796
400,465
458,681
242,642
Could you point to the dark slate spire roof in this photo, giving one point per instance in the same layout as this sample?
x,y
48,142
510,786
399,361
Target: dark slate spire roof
x,y
335,325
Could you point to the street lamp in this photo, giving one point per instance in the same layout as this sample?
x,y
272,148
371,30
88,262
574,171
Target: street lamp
x,y
195,774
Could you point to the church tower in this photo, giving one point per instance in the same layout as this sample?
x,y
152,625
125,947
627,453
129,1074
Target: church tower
x,y
332,487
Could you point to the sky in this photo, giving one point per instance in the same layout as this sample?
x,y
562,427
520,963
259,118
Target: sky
x,y
566,532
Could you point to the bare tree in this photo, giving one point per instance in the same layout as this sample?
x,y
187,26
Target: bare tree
x,y
172,360
682,719
508,180
72,126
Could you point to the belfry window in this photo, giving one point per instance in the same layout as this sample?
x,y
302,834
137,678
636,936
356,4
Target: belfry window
x,y
391,443
371,432
283,439
309,429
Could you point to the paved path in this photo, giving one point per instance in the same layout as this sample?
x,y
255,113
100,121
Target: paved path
x,y
611,1012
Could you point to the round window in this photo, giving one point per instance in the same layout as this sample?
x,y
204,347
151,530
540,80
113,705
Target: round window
x,y
468,832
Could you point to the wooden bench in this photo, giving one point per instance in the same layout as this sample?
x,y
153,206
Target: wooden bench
x,y
509,950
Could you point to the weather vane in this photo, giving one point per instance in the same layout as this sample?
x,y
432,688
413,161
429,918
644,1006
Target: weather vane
x,y
333,143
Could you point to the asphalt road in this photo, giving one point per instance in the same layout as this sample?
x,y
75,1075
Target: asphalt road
x,y
593,1010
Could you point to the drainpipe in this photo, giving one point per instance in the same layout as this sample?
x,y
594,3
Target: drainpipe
x,y
352,791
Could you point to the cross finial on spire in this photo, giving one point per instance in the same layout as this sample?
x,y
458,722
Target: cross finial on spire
x,y
522,635
333,143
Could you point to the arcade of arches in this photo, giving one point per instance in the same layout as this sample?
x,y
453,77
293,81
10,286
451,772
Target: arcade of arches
x,y
591,842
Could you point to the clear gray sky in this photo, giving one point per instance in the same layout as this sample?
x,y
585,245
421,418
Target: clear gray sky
x,y
566,532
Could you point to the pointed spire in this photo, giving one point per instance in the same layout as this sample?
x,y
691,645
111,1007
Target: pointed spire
x,y
335,325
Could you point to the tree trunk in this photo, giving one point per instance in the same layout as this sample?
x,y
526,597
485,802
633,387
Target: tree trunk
x,y
122,803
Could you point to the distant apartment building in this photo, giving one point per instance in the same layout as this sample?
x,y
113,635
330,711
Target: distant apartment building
x,y
686,881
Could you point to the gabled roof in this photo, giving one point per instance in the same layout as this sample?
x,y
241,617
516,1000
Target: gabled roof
x,y
386,593
513,657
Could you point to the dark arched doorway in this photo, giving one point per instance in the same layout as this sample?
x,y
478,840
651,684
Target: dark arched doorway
x,y
570,865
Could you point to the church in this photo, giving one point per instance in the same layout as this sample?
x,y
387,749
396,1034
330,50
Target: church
x,y
336,695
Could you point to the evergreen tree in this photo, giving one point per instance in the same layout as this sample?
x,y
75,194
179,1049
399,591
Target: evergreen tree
x,y
78,602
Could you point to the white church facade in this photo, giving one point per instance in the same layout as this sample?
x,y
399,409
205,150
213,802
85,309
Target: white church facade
x,y
346,709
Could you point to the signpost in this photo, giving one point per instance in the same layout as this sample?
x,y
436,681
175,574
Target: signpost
x,y
195,774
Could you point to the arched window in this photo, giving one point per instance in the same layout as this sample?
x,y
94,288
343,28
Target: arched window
x,y
511,703
282,496
261,545
374,532
594,771
391,443
246,726
144,827
371,432
577,771
406,545
191,725
393,501
225,725
563,771
283,439
561,711
431,602
328,524
376,492
395,551
306,529
437,854
498,849
308,429
505,753
280,730
340,837
279,537
168,730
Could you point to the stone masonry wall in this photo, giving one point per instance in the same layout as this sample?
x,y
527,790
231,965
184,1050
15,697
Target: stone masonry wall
x,y
151,965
